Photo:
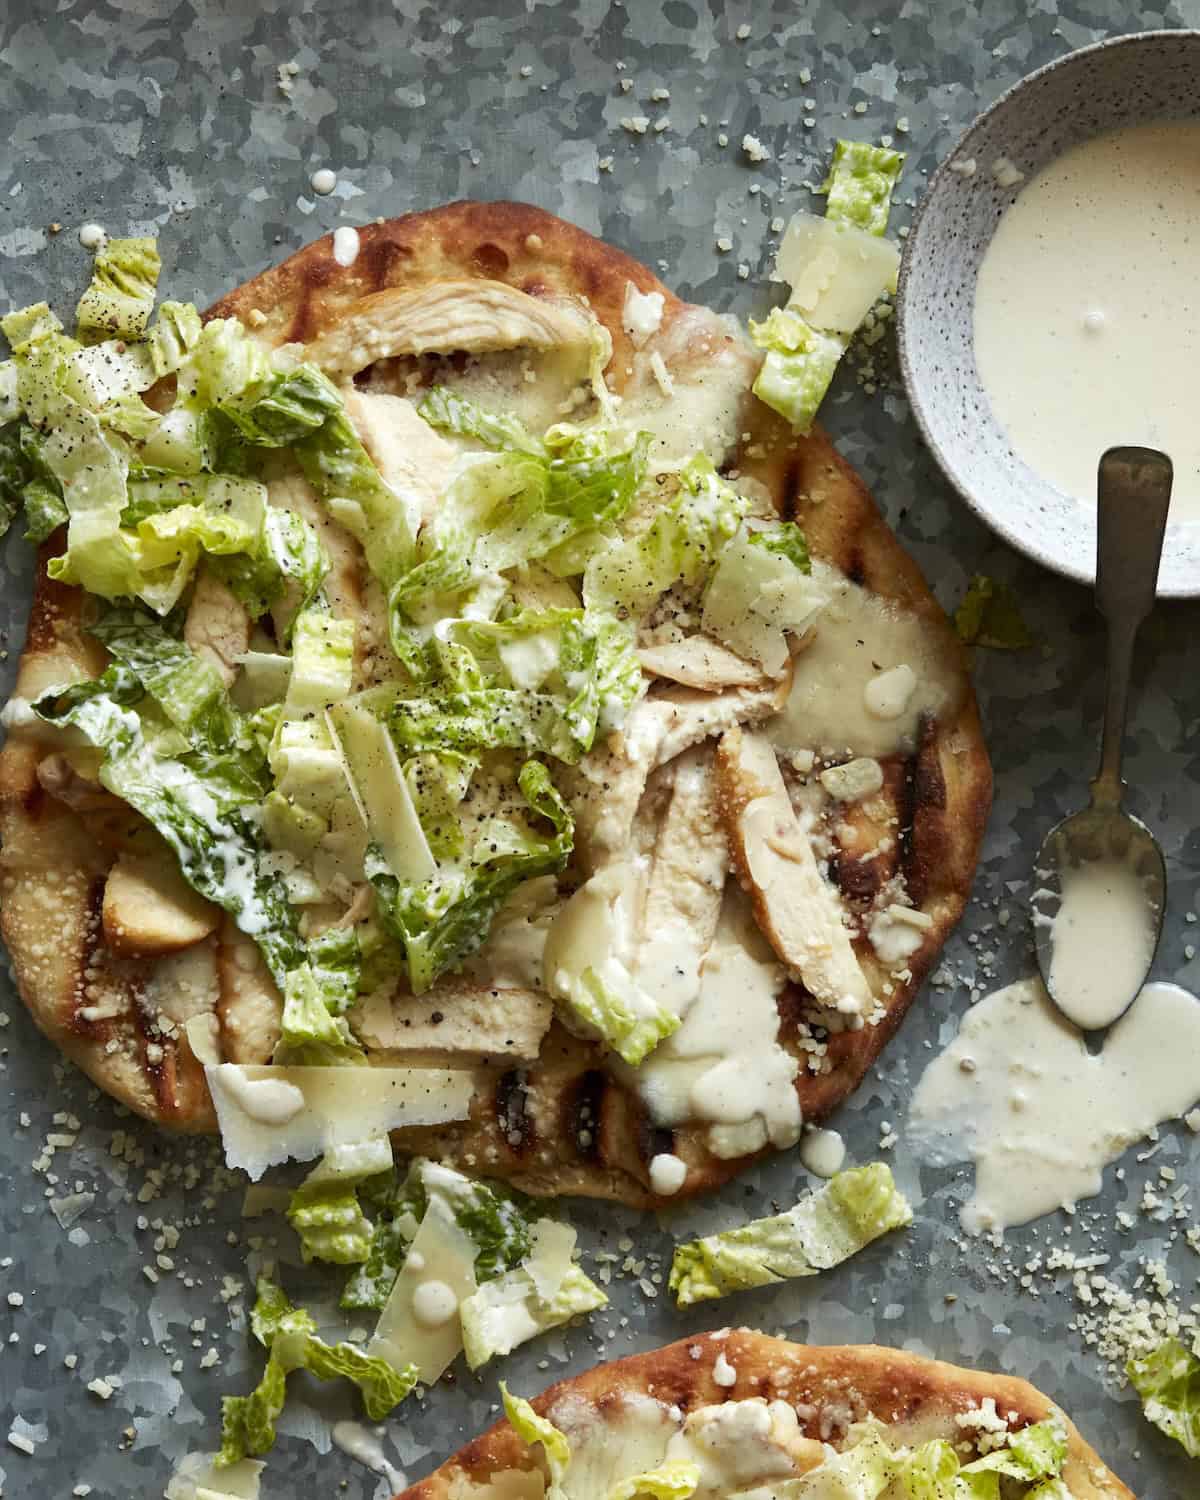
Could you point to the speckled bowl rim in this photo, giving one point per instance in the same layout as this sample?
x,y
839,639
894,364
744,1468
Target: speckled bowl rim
x,y
907,363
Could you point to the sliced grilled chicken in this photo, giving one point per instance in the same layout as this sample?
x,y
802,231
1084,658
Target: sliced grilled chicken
x,y
700,662
413,459
444,317
798,910
457,1018
217,627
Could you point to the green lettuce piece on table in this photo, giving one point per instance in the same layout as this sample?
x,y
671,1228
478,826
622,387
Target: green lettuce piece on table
x,y
508,1311
798,368
1168,1382
822,1230
325,1210
120,297
990,616
860,184
290,1337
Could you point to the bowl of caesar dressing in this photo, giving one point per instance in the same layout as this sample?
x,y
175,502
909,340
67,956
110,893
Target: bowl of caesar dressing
x,y
1048,304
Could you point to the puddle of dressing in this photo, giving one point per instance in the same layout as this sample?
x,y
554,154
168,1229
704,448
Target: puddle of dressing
x,y
823,1152
1102,941
871,671
1018,1093
1087,309
363,1444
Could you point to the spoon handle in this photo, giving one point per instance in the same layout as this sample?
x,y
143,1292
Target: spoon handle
x,y
1134,491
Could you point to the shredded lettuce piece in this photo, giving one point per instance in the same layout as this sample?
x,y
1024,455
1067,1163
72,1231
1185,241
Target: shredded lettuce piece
x,y
322,661
822,1230
508,1311
532,1430
680,546
120,297
27,482
449,412
440,921
675,1479
285,407
316,996
1168,1382
990,616
289,1335
176,331
860,184
799,365
325,1211
785,540
611,1004
187,687
196,795
497,1219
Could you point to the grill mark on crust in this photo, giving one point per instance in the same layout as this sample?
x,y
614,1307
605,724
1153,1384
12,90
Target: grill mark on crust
x,y
379,256
653,1140
584,1108
93,950
923,822
490,260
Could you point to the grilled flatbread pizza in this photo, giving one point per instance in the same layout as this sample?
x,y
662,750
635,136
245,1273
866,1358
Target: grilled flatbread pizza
x,y
448,665
736,1413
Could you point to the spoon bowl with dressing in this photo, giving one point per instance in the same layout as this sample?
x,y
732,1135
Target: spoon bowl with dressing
x,y
1047,297
1101,879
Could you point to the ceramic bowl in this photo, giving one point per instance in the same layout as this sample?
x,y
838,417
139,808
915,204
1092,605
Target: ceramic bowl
x,y
1127,80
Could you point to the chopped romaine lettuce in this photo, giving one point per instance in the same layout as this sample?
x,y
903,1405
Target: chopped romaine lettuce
x,y
441,920
989,615
312,1030
680,545
285,568
607,1002
27,481
1168,1381
188,688
325,1211
860,183
762,587
675,1479
120,297
532,1430
449,412
197,796
283,408
289,1335
508,1311
322,661
822,1230
798,368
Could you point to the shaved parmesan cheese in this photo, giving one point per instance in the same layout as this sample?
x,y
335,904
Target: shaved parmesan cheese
x,y
550,1259
381,791
337,1107
443,1252
198,1478
204,1038
837,272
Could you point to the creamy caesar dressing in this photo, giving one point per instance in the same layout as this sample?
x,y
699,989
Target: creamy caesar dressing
x,y
862,685
364,1445
725,1065
1087,311
1102,940
266,1101
822,1152
1018,1093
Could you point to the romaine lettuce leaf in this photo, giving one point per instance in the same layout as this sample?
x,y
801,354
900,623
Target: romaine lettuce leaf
x,y
990,616
322,661
188,688
1168,1381
285,568
325,1211
449,412
289,1334
440,921
120,297
798,368
508,1311
680,545
397,1205
286,406
532,1430
675,1479
860,183
27,482
313,1032
785,540
196,797
822,1230
610,1004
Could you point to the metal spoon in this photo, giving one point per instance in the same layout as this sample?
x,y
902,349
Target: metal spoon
x,y
1133,495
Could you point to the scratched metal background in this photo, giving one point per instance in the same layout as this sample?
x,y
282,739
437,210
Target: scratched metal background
x,y
153,116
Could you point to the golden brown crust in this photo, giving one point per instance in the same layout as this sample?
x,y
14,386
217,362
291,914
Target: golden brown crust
x,y
565,1124
919,1398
